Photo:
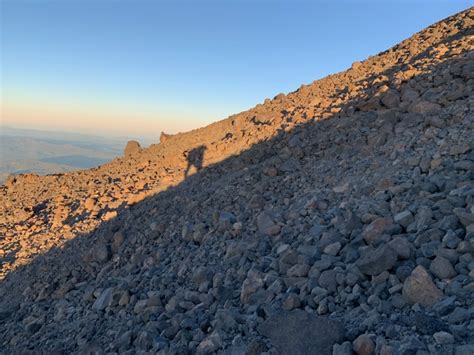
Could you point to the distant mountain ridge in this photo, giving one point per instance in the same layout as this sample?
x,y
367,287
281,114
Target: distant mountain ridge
x,y
45,152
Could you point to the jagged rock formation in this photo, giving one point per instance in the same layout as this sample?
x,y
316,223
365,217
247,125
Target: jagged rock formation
x,y
336,219
164,137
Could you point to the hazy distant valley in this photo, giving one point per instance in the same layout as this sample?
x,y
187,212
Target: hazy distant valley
x,y
44,152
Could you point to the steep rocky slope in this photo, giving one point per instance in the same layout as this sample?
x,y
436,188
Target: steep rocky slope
x,y
338,218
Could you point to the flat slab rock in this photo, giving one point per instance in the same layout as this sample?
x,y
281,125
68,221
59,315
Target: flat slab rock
x,y
298,333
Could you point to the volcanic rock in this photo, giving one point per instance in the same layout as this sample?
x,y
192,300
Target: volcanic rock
x,y
419,288
350,197
375,261
298,332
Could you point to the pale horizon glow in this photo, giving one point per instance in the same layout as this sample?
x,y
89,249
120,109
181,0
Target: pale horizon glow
x,y
119,119
126,68
107,123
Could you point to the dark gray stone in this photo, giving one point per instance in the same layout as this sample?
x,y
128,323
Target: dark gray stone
x,y
342,349
299,332
404,218
374,262
445,306
410,345
402,246
459,315
103,300
424,323
266,223
327,280
467,349
442,268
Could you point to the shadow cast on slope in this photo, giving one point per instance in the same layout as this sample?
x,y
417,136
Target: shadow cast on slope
x,y
194,158
99,256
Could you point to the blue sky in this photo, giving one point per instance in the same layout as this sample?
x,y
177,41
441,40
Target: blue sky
x,y
181,64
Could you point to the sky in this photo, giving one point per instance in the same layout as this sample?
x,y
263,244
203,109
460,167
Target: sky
x,y
137,67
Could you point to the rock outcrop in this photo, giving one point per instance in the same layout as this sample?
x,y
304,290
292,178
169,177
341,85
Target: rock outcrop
x,y
131,148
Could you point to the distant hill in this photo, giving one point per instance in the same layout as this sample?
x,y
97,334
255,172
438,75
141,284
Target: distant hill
x,y
45,152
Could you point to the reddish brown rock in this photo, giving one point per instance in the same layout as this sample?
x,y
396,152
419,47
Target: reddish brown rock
x,y
419,288
377,228
131,148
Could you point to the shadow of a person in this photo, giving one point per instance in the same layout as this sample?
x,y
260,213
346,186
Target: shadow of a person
x,y
195,157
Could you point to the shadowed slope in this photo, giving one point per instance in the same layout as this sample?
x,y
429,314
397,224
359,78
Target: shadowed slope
x,y
83,198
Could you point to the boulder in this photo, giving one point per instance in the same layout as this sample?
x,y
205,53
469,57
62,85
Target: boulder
x,y
131,148
363,345
404,218
391,99
419,288
379,227
442,268
374,262
424,107
103,300
267,224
